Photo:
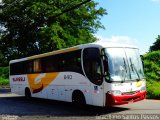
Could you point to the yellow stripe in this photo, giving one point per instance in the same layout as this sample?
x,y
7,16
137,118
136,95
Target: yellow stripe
x,y
42,82
53,53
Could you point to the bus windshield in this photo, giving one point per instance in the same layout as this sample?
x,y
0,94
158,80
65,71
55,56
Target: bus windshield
x,y
124,64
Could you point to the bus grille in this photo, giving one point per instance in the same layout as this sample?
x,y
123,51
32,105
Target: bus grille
x,y
130,93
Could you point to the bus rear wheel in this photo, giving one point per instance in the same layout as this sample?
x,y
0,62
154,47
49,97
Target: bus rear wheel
x,y
27,93
78,99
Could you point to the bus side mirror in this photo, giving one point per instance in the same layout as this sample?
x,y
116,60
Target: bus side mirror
x,y
143,64
142,61
105,64
106,72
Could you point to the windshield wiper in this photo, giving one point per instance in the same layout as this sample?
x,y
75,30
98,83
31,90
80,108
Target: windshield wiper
x,y
133,68
125,68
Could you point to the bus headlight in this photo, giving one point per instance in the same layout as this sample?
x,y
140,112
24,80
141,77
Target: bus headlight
x,y
143,89
115,92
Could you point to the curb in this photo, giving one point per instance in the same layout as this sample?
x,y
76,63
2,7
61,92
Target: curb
x,y
5,87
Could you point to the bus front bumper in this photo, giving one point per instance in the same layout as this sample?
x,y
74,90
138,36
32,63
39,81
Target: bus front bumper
x,y
112,100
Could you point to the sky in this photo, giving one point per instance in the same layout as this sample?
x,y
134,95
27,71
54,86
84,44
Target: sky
x,y
134,22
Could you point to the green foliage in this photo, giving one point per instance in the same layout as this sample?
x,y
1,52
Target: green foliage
x,y
153,89
4,81
152,73
156,45
152,65
34,26
4,76
4,72
3,60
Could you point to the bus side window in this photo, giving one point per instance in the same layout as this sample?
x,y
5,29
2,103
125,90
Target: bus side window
x,y
29,66
51,64
92,65
37,65
71,62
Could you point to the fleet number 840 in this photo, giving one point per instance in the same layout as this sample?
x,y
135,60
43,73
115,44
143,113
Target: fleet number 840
x,y
68,77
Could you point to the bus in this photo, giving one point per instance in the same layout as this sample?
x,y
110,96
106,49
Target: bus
x,y
98,74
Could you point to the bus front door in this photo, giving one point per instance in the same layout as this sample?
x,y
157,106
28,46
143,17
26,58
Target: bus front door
x,y
92,64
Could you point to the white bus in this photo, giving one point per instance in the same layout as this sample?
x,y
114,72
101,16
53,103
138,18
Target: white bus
x,y
94,74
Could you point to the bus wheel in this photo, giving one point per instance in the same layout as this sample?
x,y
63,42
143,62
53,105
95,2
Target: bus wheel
x,y
78,99
27,93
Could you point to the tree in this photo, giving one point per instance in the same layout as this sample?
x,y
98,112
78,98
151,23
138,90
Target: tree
x,y
156,45
38,26
3,60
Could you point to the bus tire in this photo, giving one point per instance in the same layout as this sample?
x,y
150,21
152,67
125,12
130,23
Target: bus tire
x,y
27,93
78,99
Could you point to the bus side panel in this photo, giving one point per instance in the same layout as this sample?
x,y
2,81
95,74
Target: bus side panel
x,y
63,85
18,83
52,91
67,82
60,88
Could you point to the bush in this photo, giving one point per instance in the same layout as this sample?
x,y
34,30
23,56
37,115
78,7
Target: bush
x,y
153,89
4,75
4,72
4,81
152,73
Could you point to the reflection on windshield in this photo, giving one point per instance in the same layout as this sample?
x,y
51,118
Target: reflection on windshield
x,y
136,68
124,64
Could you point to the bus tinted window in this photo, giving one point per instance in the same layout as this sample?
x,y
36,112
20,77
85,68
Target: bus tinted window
x,y
92,65
51,63
70,61
37,65
17,68
29,66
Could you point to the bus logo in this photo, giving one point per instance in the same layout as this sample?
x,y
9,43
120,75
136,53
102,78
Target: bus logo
x,y
19,79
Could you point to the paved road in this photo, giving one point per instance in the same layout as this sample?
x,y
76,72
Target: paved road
x,y
14,107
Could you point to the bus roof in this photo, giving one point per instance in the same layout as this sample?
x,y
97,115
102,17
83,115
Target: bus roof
x,y
108,45
95,44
